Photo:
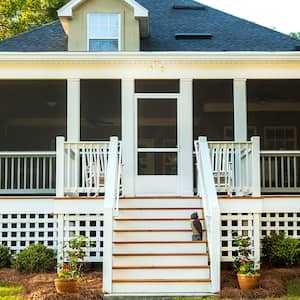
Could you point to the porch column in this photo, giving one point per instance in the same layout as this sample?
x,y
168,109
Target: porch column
x,y
186,136
73,110
128,136
240,109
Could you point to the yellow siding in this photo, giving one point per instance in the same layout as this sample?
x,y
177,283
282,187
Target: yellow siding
x,y
130,36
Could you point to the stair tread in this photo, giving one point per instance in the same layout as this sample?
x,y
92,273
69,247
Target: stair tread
x,y
160,242
155,219
161,267
153,230
160,208
160,254
160,280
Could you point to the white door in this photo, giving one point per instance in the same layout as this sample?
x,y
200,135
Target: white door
x,y
157,144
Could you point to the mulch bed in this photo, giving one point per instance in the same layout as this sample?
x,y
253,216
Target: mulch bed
x,y
273,283
41,286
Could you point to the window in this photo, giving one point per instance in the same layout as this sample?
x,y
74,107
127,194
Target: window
x,y
280,137
103,32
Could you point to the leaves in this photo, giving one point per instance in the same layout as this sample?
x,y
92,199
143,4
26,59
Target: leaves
x,y
17,16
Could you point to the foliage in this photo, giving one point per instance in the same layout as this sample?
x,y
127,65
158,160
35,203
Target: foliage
x,y
10,291
293,288
75,254
5,256
35,258
17,16
279,250
243,263
295,35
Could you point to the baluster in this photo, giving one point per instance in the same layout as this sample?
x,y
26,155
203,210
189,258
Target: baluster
x,y
276,171
50,172
12,173
288,171
282,171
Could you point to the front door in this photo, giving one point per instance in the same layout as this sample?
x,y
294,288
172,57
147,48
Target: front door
x,y
157,144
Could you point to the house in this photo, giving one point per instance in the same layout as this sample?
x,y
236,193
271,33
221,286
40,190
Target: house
x,y
123,117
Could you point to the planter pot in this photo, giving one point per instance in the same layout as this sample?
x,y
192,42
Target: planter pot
x,y
66,285
248,281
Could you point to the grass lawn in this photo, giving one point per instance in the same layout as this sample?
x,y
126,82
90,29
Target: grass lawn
x,y
9,291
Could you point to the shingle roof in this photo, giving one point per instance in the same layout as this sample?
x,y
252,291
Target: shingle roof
x,y
49,37
225,32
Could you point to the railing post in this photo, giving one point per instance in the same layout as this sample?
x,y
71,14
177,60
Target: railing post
x,y
256,237
109,204
60,166
255,166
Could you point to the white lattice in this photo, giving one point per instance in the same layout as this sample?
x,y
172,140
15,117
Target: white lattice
x,y
90,226
17,231
289,223
233,225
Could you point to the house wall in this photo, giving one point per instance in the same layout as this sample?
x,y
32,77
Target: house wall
x,y
130,35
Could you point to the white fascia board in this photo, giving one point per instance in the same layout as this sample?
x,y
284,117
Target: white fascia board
x,y
204,57
67,10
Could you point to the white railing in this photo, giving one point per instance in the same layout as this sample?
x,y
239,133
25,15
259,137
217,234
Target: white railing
x,y
81,167
280,171
27,172
207,190
235,166
111,206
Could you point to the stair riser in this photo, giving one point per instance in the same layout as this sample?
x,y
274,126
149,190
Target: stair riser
x,y
163,213
160,248
157,203
170,288
153,236
161,274
154,225
160,260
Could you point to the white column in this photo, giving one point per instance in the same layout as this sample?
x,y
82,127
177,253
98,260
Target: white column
x,y
255,167
186,136
60,240
60,166
256,237
73,110
240,109
128,137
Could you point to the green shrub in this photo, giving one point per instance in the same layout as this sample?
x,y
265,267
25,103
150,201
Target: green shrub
x,y
35,258
5,256
279,250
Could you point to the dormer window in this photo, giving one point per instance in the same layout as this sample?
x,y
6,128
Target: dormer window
x,y
103,32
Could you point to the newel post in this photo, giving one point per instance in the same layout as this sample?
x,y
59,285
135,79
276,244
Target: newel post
x,y
60,166
255,166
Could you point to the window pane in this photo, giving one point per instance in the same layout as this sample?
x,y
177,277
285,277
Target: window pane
x,y
103,45
103,25
157,86
159,163
157,123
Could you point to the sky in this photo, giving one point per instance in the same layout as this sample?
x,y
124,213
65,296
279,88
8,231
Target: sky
x,y
283,15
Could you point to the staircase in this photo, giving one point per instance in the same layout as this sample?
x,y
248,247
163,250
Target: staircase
x,y
152,249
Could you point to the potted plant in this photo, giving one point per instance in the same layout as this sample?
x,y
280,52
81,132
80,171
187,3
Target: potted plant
x,y
70,272
247,269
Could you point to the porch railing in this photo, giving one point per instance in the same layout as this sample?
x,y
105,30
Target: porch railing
x,y
27,172
207,190
235,166
280,171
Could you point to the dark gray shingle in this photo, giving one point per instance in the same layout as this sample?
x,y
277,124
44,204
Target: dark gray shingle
x,y
228,33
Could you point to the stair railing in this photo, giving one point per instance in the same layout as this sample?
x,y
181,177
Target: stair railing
x,y
111,206
208,193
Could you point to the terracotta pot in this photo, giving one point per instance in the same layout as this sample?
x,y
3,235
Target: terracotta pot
x,y
65,285
248,281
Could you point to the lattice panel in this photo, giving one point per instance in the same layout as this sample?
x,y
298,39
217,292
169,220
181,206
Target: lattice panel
x,y
18,231
232,225
90,226
280,222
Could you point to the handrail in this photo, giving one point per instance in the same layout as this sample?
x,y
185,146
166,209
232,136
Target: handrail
x,y
208,193
111,206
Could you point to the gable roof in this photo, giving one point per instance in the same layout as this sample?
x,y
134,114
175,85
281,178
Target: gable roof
x,y
67,10
175,25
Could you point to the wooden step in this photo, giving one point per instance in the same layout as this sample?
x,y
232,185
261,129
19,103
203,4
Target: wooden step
x,y
161,260
180,247
160,254
163,280
161,242
155,219
159,267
